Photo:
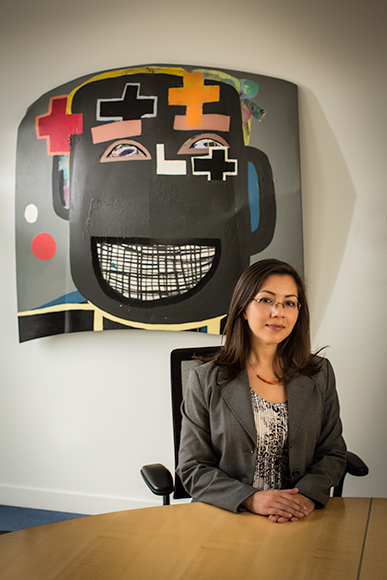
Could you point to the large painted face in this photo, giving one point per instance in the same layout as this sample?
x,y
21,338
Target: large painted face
x,y
167,203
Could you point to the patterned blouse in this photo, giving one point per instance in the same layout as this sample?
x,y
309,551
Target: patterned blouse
x,y
272,465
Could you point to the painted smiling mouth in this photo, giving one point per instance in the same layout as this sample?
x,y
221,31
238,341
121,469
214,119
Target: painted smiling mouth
x,y
144,271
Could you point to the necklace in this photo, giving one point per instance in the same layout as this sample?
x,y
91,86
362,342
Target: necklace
x,y
264,380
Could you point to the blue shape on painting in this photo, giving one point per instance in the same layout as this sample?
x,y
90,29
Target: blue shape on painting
x,y
253,196
71,298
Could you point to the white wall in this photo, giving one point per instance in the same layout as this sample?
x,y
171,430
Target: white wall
x,y
80,414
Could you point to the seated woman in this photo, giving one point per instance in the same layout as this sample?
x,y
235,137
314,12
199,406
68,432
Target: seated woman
x,y
261,429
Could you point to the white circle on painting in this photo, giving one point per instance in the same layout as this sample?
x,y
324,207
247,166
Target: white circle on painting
x,y
31,213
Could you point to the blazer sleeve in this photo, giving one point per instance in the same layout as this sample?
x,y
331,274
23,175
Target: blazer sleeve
x,y
200,456
327,463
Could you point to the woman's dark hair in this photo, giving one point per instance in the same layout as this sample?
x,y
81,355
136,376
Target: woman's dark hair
x,y
293,355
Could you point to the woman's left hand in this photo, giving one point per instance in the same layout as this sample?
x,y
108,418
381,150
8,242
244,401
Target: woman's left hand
x,y
305,501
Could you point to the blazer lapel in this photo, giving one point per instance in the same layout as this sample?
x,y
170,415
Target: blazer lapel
x,y
298,392
236,395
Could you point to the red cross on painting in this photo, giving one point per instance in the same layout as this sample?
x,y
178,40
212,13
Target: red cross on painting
x,y
57,127
193,95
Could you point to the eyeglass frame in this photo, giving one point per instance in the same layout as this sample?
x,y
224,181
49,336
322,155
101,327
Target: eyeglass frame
x,y
277,302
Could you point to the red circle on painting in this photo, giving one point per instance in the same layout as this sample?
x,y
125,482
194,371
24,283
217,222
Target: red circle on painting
x,y
43,247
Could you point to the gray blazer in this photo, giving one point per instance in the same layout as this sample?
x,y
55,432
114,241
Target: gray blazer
x,y
219,440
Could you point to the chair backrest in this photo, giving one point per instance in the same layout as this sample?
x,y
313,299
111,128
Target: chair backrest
x,y
182,361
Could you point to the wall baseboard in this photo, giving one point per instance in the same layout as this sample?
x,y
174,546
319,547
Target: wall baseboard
x,y
64,501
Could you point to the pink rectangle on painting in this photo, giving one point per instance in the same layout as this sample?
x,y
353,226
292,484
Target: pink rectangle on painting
x,y
214,122
116,130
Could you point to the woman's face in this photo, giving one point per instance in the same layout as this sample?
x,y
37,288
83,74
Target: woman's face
x,y
272,319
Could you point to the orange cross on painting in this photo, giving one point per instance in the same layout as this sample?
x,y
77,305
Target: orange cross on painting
x,y
193,95
57,126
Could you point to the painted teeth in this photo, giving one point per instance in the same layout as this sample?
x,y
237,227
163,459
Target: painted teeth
x,y
153,272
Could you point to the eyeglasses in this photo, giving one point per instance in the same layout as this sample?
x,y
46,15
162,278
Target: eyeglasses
x,y
269,303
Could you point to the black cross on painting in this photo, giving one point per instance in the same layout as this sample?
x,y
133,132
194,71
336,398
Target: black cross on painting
x,y
217,166
130,107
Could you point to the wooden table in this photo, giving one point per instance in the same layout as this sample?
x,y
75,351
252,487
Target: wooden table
x,y
374,562
346,540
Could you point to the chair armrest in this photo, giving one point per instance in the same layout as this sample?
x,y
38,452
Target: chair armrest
x,y
355,465
158,478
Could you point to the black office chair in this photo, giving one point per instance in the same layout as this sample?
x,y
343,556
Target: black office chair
x,y
158,478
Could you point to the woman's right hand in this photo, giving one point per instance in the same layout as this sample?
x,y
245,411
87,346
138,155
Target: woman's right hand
x,y
276,502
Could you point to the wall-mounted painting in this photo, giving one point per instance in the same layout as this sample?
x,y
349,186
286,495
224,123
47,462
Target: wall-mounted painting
x,y
143,193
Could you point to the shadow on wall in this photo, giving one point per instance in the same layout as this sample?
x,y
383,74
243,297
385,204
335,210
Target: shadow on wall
x,y
328,198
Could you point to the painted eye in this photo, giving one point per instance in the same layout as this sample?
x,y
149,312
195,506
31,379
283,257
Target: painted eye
x,y
125,151
205,144
202,143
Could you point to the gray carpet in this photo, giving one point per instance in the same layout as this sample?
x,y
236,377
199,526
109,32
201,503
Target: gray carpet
x,y
13,518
